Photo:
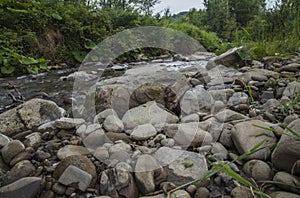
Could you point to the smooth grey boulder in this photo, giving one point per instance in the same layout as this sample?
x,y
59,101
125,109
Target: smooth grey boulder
x,y
246,135
143,132
149,113
230,57
181,166
113,124
287,151
258,170
196,100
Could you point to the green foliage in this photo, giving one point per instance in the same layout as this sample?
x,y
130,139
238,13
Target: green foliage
x,y
209,40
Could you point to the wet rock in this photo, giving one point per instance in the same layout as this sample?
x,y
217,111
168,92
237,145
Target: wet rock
x,y
118,182
188,134
30,114
148,173
69,150
68,123
113,124
180,194
4,140
181,166
10,150
287,182
147,113
22,169
33,140
99,118
228,115
230,57
143,132
25,187
258,170
282,194
196,100
287,151
75,177
96,139
78,161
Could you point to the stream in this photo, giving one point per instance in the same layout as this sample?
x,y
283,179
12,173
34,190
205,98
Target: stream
x,y
56,85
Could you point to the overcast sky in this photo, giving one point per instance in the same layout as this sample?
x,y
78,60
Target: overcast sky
x,y
177,6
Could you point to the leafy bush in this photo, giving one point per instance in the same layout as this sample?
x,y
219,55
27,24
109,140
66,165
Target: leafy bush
x,y
209,40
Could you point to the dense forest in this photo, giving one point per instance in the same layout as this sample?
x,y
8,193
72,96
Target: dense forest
x,y
38,33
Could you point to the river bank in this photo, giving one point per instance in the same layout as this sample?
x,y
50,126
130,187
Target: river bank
x,y
154,127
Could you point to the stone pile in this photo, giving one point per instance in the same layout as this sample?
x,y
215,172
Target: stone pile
x,y
165,136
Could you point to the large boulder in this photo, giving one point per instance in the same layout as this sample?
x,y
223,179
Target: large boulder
x,y
246,135
196,100
147,113
137,86
230,58
181,166
29,115
287,151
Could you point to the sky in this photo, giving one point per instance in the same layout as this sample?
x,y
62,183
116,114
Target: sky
x,y
177,6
